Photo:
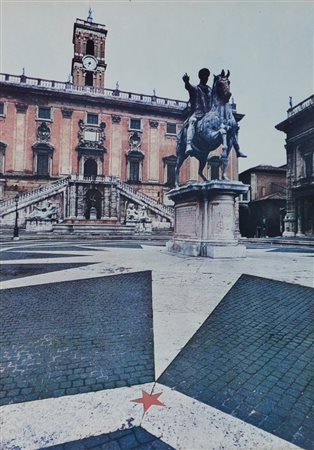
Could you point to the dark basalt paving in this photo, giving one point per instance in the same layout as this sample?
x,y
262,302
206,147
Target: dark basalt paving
x,y
132,438
253,358
20,255
293,250
42,248
118,244
75,337
9,271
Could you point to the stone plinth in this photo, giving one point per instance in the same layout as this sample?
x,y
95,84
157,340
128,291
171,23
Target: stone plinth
x,y
40,225
206,219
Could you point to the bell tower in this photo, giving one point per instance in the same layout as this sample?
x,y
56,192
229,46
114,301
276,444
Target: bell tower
x,y
88,63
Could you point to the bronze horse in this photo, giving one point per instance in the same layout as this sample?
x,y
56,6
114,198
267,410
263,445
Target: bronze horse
x,y
217,127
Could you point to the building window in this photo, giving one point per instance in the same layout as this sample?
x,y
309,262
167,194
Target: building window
x,y
309,165
92,119
134,165
2,109
90,168
43,113
134,171
135,124
90,47
89,79
171,128
42,165
169,170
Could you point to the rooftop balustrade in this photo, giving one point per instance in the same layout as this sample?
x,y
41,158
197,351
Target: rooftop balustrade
x,y
114,94
301,106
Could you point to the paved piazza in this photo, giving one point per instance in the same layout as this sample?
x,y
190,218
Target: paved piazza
x,y
120,345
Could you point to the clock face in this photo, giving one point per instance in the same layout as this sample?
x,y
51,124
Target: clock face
x,y
89,62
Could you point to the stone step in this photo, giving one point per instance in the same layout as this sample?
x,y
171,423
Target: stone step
x,y
90,228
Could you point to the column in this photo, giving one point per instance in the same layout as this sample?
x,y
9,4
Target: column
x,y
289,220
106,202
80,203
300,212
66,150
19,152
115,147
153,152
114,208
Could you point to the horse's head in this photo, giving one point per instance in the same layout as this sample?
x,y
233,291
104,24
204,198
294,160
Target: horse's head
x,y
221,87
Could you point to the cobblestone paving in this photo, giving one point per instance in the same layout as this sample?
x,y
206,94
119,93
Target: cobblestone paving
x,y
133,438
75,337
52,247
252,358
293,250
18,255
9,271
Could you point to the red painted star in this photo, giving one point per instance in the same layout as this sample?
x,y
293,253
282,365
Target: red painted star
x,y
149,400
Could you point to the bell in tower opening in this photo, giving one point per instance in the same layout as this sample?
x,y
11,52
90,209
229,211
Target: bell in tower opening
x,y
88,63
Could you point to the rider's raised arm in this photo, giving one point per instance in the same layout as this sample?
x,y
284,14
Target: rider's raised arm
x,y
187,84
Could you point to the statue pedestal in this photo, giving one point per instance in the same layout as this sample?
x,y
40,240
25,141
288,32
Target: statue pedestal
x,y
40,224
206,218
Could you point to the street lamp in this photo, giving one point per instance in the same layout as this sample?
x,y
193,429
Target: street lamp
x,y
16,227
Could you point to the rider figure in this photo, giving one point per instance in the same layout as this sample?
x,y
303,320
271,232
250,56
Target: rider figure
x,y
200,99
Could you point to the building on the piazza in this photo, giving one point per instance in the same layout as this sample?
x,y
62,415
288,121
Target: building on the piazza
x,y
299,130
262,209
90,150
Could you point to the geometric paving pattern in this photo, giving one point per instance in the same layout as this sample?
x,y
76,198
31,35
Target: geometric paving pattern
x,y
253,358
77,336
18,255
9,271
132,438
293,250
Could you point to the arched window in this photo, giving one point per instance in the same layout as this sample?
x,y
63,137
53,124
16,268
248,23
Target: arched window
x,y
89,79
90,168
90,47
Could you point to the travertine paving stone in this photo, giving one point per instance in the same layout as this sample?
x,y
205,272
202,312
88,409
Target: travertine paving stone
x,y
133,438
75,337
252,358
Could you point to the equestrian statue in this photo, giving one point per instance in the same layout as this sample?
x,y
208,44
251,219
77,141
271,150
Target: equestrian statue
x,y
210,124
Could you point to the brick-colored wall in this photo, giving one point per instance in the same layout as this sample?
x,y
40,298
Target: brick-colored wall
x,y
18,132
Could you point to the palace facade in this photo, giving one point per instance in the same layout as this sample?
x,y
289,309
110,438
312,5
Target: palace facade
x,y
262,209
299,130
85,146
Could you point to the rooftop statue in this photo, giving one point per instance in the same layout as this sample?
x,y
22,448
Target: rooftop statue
x,y
210,124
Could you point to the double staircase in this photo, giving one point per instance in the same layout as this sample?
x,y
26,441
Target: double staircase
x,y
144,200
36,196
33,196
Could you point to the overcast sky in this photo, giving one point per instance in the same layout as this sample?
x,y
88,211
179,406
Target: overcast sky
x,y
268,47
